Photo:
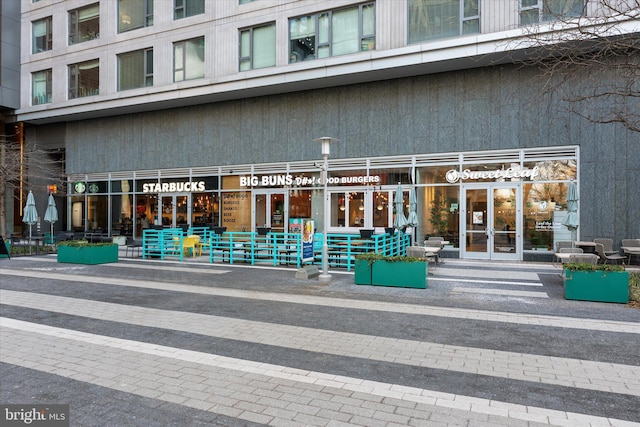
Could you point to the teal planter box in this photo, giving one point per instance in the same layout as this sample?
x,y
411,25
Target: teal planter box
x,y
398,273
599,286
88,254
362,272
8,245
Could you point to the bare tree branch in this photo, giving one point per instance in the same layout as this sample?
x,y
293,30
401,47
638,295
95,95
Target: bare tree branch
x,y
591,62
29,166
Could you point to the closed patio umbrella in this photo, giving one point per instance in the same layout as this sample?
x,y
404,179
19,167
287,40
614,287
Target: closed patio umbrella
x,y
51,214
572,220
30,214
400,221
412,219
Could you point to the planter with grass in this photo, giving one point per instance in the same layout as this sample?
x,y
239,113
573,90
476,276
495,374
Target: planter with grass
x,y
398,271
82,252
600,283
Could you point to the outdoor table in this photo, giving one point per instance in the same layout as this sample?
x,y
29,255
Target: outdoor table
x,y
432,252
587,247
564,256
631,251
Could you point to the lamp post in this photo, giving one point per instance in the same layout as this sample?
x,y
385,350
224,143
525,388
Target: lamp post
x,y
325,142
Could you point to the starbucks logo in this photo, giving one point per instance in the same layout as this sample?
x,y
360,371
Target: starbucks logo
x,y
80,187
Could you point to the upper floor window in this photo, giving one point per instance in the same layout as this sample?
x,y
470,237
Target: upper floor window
x,y
135,69
41,87
134,14
246,1
258,47
535,11
84,24
42,37
432,20
188,59
184,8
332,33
84,79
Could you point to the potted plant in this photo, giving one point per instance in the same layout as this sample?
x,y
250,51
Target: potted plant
x,y
401,271
83,252
600,282
439,218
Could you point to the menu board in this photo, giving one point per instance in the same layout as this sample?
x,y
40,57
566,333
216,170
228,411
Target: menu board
x,y
236,211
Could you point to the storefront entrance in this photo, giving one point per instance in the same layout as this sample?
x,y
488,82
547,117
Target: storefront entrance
x,y
490,222
270,210
175,209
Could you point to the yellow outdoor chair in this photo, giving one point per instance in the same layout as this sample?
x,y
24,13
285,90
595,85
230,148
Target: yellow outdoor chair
x,y
191,244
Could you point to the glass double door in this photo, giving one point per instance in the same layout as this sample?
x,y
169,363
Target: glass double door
x,y
175,209
270,210
491,222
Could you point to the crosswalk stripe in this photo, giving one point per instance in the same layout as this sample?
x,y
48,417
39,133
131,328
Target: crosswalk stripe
x,y
132,382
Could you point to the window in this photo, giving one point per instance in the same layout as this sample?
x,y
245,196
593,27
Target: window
x,y
258,47
535,11
184,8
333,33
42,36
84,79
41,89
135,69
188,59
437,19
246,1
84,24
134,14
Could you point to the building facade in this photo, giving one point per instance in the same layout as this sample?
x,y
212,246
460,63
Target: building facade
x,y
205,112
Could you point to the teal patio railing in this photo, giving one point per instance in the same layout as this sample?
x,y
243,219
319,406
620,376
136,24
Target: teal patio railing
x,y
272,248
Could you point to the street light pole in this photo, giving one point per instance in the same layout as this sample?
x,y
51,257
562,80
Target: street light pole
x,y
325,142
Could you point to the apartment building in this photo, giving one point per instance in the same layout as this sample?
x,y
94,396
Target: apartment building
x,y
202,112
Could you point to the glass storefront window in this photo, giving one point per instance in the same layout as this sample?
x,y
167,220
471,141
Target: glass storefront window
x,y
98,214
554,170
300,204
348,209
356,210
390,176
122,214
94,187
146,213
121,186
236,210
434,174
544,210
382,208
77,213
438,209
205,209
141,183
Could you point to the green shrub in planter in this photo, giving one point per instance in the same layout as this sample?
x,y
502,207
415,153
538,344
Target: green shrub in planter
x,y
378,270
82,252
601,283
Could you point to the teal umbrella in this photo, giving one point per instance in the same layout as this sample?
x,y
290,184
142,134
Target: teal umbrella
x,y
30,214
51,214
572,221
412,219
400,221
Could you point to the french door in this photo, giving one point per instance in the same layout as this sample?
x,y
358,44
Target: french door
x,y
491,224
175,209
270,210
